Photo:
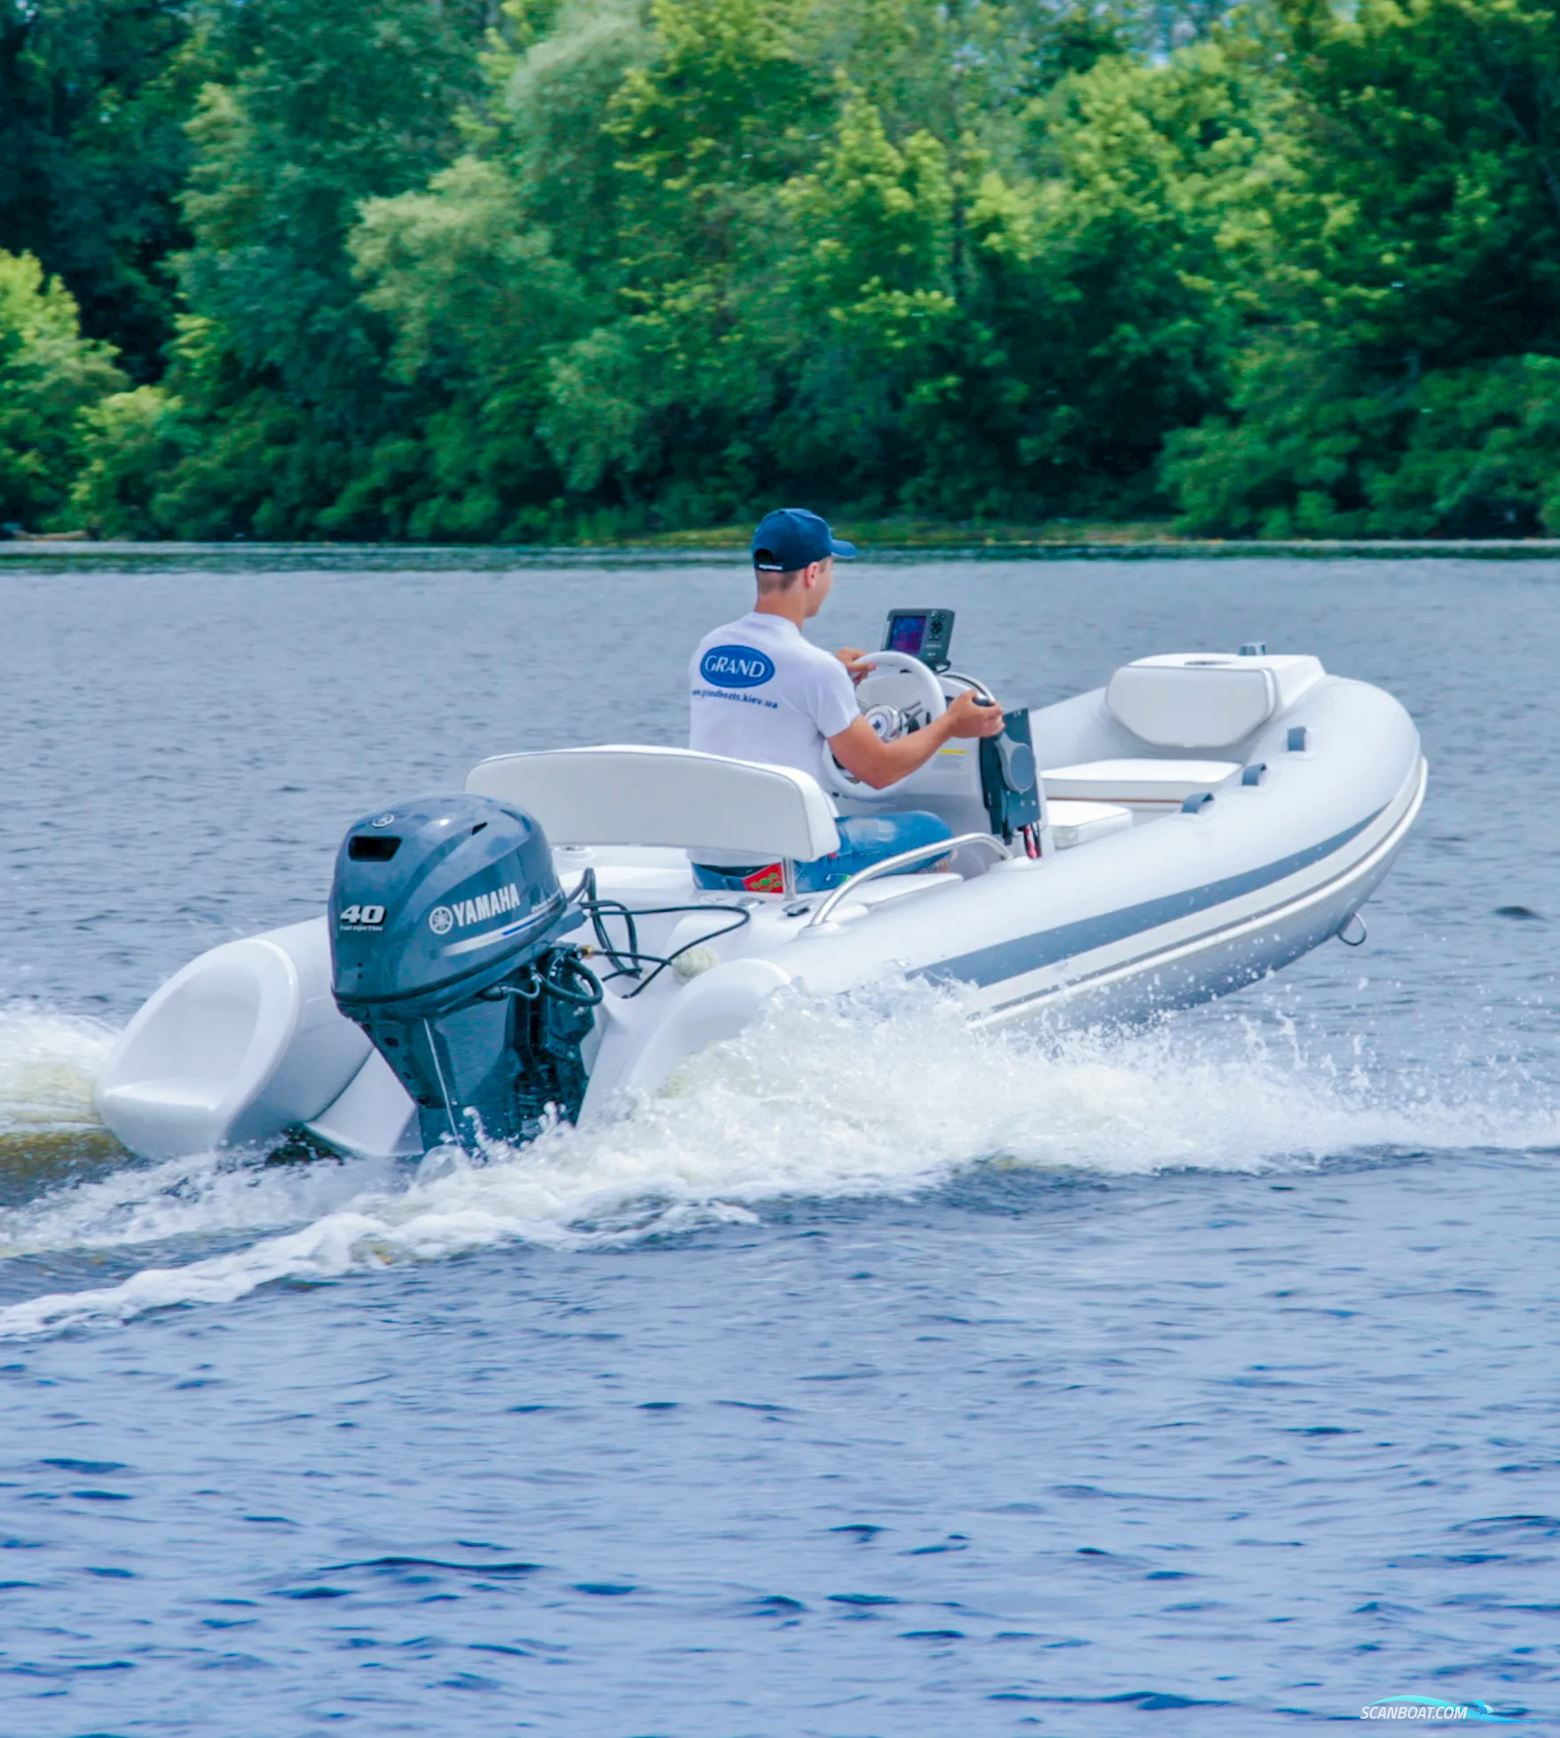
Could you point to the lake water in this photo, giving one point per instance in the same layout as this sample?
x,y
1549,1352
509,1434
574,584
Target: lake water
x,y
881,1380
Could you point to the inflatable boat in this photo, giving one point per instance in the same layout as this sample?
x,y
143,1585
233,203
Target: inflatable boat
x,y
537,947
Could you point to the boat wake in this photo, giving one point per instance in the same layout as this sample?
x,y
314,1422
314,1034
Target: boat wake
x,y
882,1095
47,1061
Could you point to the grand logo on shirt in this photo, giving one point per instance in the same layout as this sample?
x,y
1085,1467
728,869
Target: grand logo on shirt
x,y
736,667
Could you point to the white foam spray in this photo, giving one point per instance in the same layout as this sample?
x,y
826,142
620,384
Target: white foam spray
x,y
888,1094
47,1064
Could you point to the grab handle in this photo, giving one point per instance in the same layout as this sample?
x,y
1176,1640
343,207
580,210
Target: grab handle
x,y
889,865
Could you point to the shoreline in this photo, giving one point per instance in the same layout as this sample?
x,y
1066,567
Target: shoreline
x,y
1092,542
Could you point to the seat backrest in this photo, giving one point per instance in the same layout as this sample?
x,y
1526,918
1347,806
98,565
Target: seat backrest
x,y
631,795
1205,699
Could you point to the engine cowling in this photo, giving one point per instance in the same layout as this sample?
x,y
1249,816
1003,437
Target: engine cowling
x,y
446,924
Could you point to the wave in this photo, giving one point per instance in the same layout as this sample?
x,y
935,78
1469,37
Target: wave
x,y
888,1094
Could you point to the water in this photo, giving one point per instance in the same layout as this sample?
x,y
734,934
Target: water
x,y
878,1379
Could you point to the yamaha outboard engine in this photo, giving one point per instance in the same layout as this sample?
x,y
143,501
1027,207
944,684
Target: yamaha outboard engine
x,y
446,920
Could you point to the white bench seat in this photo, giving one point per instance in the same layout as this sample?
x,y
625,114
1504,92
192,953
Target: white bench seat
x,y
1080,823
1152,786
1202,700
628,794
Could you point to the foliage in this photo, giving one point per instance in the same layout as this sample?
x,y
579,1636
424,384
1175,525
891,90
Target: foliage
x,y
132,444
1460,452
49,376
94,95
462,269
1402,388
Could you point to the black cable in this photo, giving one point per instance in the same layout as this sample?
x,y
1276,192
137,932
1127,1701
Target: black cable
x,y
572,966
598,912
595,909
742,914
629,961
535,983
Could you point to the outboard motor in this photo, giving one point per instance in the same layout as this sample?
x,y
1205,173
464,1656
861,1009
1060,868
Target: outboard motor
x,y
446,920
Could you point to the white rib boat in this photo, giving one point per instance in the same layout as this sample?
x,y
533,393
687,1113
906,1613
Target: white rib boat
x,y
537,946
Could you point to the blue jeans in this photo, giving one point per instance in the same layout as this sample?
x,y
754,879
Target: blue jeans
x,y
864,840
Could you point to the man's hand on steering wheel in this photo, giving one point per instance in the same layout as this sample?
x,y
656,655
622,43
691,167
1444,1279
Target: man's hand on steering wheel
x,y
856,662
879,765
969,716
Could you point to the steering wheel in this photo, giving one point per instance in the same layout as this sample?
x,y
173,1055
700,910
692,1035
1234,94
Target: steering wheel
x,y
900,694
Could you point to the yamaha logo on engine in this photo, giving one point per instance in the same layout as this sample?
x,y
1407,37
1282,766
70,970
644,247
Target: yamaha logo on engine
x,y
736,667
462,913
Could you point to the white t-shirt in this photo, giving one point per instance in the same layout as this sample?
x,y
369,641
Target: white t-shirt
x,y
759,691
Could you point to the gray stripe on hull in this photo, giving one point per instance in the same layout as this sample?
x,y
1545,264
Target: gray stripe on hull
x,y
1030,953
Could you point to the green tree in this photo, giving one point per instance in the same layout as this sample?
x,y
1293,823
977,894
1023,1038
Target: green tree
x,y
488,273
549,91
1414,294
93,99
49,376
131,444
660,408
1153,234
477,300
331,102
870,274
1481,455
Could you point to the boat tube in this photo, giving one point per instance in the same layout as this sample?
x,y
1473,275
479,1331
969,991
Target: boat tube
x,y
536,947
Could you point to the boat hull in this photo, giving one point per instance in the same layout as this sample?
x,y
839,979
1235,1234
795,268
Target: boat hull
x,y
1186,906
245,1045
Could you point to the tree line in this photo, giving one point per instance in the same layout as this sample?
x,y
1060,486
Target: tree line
x,y
456,270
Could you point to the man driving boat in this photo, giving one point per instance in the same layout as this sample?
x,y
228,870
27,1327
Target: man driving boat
x,y
759,691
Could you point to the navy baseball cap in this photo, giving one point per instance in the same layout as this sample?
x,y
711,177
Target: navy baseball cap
x,y
791,537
